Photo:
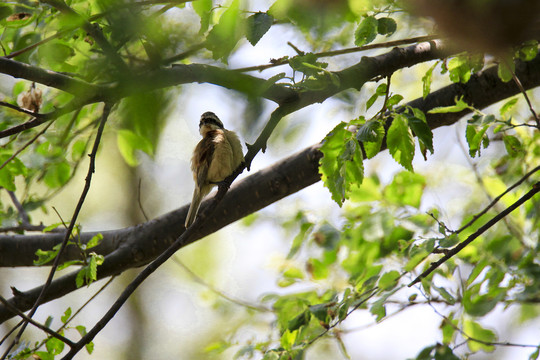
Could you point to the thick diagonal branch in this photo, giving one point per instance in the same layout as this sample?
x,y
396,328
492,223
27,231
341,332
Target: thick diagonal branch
x,y
135,246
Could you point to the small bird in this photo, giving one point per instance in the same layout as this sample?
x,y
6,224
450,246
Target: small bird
x,y
215,157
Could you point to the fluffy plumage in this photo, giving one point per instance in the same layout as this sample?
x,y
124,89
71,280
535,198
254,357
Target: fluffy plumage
x,y
215,157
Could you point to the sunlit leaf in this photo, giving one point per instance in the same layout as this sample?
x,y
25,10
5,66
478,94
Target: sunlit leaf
x,y
342,163
476,331
366,31
224,36
203,8
400,142
54,346
426,81
459,107
506,69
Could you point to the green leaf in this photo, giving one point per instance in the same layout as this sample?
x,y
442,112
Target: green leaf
x,y
129,142
88,274
224,36
299,320
288,338
449,241
400,142
5,11
69,263
318,269
321,312
443,352
219,347
56,54
393,100
66,316
415,259
389,280
475,138
476,331
480,305
78,149
459,69
528,50
82,331
445,294
508,106
290,276
45,256
371,101
421,129
10,171
535,355
54,346
513,146
506,69
426,81
271,355
370,131
342,163
366,31
257,25
458,107
307,64
95,261
203,8
406,189
425,353
80,278
298,240
378,309
449,328
43,355
57,175
94,241
386,26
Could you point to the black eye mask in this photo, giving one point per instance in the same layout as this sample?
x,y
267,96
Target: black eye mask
x,y
212,121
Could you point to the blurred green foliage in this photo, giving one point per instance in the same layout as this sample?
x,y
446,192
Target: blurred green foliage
x,y
383,238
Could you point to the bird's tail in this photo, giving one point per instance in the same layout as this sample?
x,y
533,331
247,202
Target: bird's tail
x,y
194,207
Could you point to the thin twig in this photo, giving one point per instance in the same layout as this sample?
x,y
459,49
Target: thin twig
x,y
286,60
91,169
201,281
186,237
499,197
520,86
25,220
368,295
467,336
35,323
79,310
20,109
16,153
139,201
535,189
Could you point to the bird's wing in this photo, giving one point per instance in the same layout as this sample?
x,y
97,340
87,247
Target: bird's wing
x,y
202,158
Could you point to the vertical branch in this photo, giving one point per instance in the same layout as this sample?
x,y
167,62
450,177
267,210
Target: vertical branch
x,y
91,170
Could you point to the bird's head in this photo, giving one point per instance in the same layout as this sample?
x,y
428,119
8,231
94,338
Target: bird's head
x,y
209,121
